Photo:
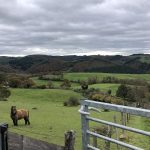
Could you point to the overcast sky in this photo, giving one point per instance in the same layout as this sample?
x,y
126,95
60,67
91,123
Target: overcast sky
x,y
66,27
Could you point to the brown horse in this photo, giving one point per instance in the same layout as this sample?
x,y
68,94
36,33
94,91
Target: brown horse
x,y
19,114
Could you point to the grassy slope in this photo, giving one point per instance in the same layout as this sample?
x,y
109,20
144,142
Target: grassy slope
x,y
51,119
55,83
85,76
103,87
106,87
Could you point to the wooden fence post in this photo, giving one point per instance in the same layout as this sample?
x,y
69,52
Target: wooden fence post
x,y
69,140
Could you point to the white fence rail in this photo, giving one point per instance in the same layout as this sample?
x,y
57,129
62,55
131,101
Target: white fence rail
x,y
85,118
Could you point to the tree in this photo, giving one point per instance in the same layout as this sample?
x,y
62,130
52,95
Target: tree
x,y
28,83
50,84
66,84
4,93
15,82
20,82
2,79
122,91
148,87
84,85
109,92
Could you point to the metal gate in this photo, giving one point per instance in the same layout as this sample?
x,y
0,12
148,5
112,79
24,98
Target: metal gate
x,y
85,118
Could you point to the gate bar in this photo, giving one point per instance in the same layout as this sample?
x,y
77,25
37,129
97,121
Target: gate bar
x,y
91,147
114,141
119,126
120,108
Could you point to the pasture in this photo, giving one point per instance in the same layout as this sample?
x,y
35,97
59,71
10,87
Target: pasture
x,y
56,84
85,76
50,119
106,86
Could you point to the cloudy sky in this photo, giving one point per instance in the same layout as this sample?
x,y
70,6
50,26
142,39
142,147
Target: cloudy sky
x,y
66,27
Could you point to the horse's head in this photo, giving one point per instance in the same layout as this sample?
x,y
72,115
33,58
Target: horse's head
x,y
13,111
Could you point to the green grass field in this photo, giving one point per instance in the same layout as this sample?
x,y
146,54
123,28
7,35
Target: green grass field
x,y
56,84
106,86
51,119
85,76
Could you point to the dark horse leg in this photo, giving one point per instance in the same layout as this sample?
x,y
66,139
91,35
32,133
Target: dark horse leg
x,y
15,122
26,119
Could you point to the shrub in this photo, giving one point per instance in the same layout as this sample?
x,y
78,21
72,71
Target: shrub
x,y
87,93
66,84
122,91
65,103
3,79
117,100
84,85
72,101
109,92
4,93
50,85
148,87
17,81
28,83
53,76
93,80
101,97
42,86
110,79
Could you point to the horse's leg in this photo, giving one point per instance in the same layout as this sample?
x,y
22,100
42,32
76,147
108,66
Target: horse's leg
x,y
14,122
25,119
28,121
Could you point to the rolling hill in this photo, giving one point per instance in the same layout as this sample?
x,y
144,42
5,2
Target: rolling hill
x,y
137,63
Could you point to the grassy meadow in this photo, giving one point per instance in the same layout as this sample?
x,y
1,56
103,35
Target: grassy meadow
x,y
50,119
85,76
56,84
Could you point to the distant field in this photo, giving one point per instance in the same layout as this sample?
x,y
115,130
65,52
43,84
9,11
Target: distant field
x,y
105,87
85,76
51,119
55,83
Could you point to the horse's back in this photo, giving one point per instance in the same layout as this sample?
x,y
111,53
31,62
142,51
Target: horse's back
x,y
22,113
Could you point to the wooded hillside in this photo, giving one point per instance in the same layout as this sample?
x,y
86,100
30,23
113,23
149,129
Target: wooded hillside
x,y
138,63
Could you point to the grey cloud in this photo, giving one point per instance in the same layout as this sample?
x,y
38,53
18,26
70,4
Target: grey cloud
x,y
74,27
